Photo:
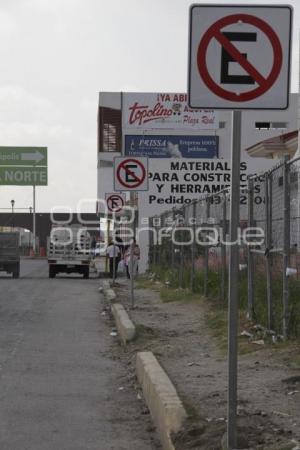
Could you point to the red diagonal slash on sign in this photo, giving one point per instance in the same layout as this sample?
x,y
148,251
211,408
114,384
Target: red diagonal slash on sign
x,y
115,203
214,32
138,180
237,55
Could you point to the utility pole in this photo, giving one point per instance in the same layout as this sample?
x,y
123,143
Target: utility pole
x,y
13,213
34,223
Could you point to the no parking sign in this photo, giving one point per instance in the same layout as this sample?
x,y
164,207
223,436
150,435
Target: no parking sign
x,y
239,56
130,174
115,202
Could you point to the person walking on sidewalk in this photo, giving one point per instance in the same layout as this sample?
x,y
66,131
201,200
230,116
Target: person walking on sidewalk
x,y
136,257
113,254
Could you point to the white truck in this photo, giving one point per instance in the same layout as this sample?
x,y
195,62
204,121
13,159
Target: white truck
x,y
9,253
69,250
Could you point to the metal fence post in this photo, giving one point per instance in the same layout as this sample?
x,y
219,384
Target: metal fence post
x,y
223,248
268,244
181,255
159,244
163,243
151,242
206,252
286,244
172,243
250,265
154,245
193,248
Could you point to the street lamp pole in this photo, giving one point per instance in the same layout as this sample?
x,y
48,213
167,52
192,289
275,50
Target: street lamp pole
x,y
30,211
13,213
34,223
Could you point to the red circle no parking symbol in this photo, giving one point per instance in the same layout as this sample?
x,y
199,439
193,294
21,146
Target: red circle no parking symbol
x,y
131,173
264,83
115,203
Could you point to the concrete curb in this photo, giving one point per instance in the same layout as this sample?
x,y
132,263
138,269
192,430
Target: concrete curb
x,y
105,284
107,291
124,325
165,406
110,294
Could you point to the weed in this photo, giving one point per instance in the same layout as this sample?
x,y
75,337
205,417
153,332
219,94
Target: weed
x,y
182,285
175,295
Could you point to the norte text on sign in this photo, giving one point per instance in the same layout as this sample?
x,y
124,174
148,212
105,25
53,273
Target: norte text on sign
x,y
24,176
23,166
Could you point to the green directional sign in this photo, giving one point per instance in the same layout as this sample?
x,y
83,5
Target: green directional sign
x,y
23,166
23,176
23,156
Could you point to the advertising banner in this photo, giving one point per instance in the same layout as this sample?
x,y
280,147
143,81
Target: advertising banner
x,y
176,182
150,111
157,146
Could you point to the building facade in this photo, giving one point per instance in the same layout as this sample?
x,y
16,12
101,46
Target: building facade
x,y
130,121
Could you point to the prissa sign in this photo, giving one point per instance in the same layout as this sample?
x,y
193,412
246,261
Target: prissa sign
x,y
164,111
161,146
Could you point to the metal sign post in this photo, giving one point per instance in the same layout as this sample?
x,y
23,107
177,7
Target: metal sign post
x,y
114,263
233,287
34,223
131,272
107,238
257,40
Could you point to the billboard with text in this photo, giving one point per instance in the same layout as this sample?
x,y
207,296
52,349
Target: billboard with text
x,y
171,146
150,111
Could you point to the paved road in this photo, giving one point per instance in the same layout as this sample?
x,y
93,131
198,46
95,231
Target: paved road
x,y
59,384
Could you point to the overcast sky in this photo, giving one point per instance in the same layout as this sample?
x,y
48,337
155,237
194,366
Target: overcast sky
x,y
56,55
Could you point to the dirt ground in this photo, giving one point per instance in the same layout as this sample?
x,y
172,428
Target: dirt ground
x,y
195,360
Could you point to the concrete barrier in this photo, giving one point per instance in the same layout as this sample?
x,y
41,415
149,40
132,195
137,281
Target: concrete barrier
x,y
110,294
106,284
165,406
124,325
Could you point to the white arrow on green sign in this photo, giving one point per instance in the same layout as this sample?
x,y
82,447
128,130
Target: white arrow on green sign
x,y
23,156
23,166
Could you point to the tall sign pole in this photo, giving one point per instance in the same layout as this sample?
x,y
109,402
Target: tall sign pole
x,y
132,273
256,40
25,166
114,264
131,175
34,222
233,286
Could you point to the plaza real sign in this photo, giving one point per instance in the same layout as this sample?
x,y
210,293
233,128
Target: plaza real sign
x,y
23,166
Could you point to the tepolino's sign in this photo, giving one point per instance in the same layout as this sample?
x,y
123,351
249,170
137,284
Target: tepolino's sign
x,y
150,111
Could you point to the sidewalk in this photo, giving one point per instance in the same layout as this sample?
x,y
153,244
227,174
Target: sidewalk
x,y
177,333
99,264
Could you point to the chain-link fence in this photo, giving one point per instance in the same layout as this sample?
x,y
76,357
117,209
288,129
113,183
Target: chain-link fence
x,y
189,247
